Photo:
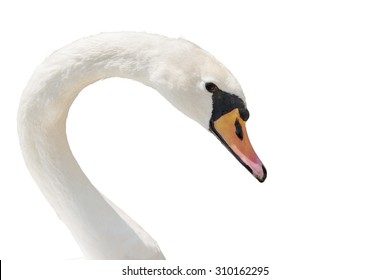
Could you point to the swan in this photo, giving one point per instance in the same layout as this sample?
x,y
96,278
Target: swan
x,y
187,76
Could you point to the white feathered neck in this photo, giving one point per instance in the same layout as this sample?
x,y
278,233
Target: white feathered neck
x,y
176,68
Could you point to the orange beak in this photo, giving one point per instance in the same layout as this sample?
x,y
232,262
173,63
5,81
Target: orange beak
x,y
230,130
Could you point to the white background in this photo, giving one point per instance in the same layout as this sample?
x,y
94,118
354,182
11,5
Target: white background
x,y
317,81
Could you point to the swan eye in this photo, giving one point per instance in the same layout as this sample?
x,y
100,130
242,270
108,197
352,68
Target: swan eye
x,y
239,132
211,87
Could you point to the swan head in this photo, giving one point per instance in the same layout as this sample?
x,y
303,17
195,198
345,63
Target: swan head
x,y
201,87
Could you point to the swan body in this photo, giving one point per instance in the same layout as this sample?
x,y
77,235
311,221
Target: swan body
x,y
186,75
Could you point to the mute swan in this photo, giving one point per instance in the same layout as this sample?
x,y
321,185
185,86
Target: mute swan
x,y
187,76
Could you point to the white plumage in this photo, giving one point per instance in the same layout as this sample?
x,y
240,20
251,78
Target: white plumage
x,y
176,68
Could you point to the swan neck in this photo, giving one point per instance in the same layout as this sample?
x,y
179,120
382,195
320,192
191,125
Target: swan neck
x,y
99,227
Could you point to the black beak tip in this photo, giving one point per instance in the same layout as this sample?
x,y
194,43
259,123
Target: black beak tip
x,y
262,179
